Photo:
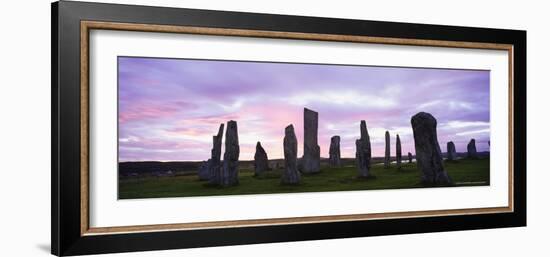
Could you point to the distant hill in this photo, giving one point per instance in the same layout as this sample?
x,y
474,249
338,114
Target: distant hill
x,y
127,169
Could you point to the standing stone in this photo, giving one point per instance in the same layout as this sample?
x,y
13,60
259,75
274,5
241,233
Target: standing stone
x,y
365,137
204,170
472,151
311,162
334,152
290,176
363,152
398,152
451,151
428,152
361,160
214,164
410,157
387,155
230,172
260,160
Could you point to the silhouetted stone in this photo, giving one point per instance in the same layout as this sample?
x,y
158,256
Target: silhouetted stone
x,y
260,160
204,170
334,152
365,137
398,152
363,152
311,162
451,151
472,151
214,164
387,154
428,152
361,160
290,175
410,157
230,171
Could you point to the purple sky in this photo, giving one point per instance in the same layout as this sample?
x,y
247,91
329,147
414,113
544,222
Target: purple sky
x,y
169,109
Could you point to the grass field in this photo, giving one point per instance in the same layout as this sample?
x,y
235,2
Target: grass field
x,y
465,172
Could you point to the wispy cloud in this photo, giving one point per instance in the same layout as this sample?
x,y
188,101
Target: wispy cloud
x,y
169,109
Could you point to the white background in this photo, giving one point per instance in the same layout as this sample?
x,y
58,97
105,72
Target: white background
x,y
106,211
25,128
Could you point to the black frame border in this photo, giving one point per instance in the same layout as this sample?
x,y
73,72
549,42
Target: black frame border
x,y
66,236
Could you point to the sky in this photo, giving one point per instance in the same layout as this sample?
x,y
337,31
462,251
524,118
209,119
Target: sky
x,y
169,109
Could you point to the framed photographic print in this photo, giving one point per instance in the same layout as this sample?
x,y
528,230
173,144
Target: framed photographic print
x,y
177,128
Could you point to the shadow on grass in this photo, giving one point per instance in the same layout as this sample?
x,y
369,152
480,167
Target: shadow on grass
x,y
321,172
216,186
301,183
451,161
268,175
357,179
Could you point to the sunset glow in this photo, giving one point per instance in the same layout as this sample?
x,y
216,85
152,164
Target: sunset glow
x,y
169,109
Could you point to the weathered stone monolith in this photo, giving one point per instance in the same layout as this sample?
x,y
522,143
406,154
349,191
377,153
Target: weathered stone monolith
x,y
472,151
451,151
311,161
428,152
387,153
230,171
363,152
334,152
410,157
204,170
361,160
291,175
214,164
260,160
366,138
398,152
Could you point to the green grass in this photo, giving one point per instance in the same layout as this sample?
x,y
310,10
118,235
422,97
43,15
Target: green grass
x,y
463,173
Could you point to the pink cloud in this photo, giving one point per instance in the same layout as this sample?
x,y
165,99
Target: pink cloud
x,y
174,106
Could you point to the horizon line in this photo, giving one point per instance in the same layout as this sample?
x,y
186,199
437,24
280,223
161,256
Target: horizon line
x,y
404,157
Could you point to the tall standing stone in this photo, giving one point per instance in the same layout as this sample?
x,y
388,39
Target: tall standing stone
x,y
334,152
451,151
361,160
230,172
214,164
291,175
312,152
410,157
472,151
366,138
428,152
260,160
387,154
398,152
363,152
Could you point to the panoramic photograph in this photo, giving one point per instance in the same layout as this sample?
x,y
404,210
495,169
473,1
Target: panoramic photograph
x,y
191,127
